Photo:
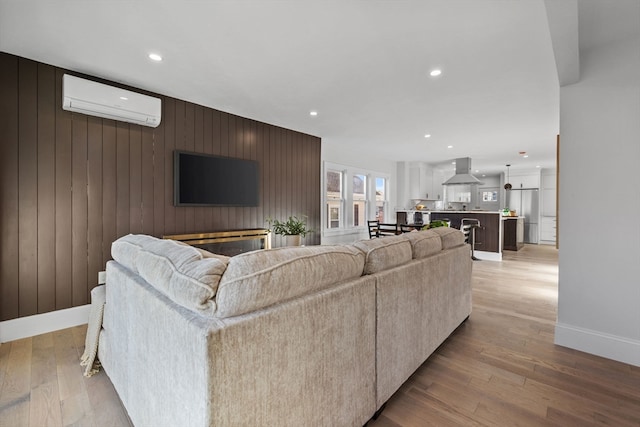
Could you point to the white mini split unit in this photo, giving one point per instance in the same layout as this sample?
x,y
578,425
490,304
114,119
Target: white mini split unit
x,y
96,99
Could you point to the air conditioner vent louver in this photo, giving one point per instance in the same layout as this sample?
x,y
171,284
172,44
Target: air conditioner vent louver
x,y
97,99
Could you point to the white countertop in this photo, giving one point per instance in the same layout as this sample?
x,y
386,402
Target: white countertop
x,y
465,212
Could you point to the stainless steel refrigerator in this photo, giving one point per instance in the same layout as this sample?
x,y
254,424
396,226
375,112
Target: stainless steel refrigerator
x,y
525,202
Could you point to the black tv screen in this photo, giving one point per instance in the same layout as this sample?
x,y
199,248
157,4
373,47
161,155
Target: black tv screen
x,y
204,180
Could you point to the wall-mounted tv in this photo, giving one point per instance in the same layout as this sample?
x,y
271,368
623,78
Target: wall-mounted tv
x,y
205,180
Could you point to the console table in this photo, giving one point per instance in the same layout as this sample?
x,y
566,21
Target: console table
x,y
217,241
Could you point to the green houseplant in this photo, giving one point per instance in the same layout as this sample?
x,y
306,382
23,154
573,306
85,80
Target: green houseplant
x,y
292,229
435,223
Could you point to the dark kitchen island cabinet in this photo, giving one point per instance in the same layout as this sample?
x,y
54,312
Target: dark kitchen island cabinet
x,y
488,235
513,233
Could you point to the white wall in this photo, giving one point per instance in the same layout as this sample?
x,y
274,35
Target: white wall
x,y
599,226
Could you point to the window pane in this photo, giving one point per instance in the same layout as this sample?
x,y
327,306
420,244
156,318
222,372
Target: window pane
x,y
334,198
334,184
333,215
489,196
359,199
381,193
381,198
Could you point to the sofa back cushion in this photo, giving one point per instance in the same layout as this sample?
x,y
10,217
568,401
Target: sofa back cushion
x,y
451,237
384,253
424,243
258,279
187,275
125,250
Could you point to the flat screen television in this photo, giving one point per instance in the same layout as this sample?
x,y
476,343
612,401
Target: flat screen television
x,y
205,180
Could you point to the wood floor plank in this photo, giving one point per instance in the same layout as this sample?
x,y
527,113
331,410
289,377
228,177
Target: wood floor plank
x,y
44,405
16,387
76,410
4,358
106,405
70,379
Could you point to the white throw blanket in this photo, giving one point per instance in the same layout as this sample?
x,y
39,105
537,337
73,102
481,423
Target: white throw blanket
x,y
88,358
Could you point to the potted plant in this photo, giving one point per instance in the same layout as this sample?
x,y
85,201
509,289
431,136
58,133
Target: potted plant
x,y
293,229
435,223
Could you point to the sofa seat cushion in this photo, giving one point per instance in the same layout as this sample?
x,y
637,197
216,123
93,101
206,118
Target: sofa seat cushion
x,y
258,279
187,275
424,243
385,252
451,237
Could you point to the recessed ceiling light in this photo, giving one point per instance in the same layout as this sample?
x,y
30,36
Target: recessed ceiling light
x,y
124,98
525,156
313,113
428,135
537,166
449,146
477,171
155,57
453,163
435,73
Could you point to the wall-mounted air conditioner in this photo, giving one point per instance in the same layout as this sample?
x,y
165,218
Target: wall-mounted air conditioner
x,y
97,99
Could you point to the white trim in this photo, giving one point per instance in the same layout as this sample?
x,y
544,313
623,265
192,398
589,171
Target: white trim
x,y
599,343
488,256
24,327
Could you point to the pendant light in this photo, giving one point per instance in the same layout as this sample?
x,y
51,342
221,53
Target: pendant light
x,y
507,186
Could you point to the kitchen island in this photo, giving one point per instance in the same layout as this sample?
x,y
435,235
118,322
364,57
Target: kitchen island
x,y
488,237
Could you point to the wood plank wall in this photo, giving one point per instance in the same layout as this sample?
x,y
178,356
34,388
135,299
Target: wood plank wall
x,y
72,184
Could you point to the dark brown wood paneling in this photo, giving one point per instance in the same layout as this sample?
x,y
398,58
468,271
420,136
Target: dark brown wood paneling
x,y
216,116
123,216
109,188
135,179
198,139
189,145
94,199
72,184
146,206
224,151
180,145
9,214
207,147
79,220
64,244
232,134
28,186
159,182
169,119
46,188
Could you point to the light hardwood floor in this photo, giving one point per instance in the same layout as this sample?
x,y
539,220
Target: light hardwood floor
x,y
500,368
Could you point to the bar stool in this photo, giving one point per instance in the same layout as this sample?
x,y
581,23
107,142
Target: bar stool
x,y
468,227
417,218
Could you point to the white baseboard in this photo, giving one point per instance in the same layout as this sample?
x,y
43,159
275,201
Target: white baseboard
x,y
488,256
601,344
24,327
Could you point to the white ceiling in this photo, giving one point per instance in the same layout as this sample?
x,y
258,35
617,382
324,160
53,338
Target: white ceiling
x,y
363,65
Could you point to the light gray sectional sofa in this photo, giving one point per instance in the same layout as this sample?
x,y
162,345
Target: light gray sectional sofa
x,y
304,336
